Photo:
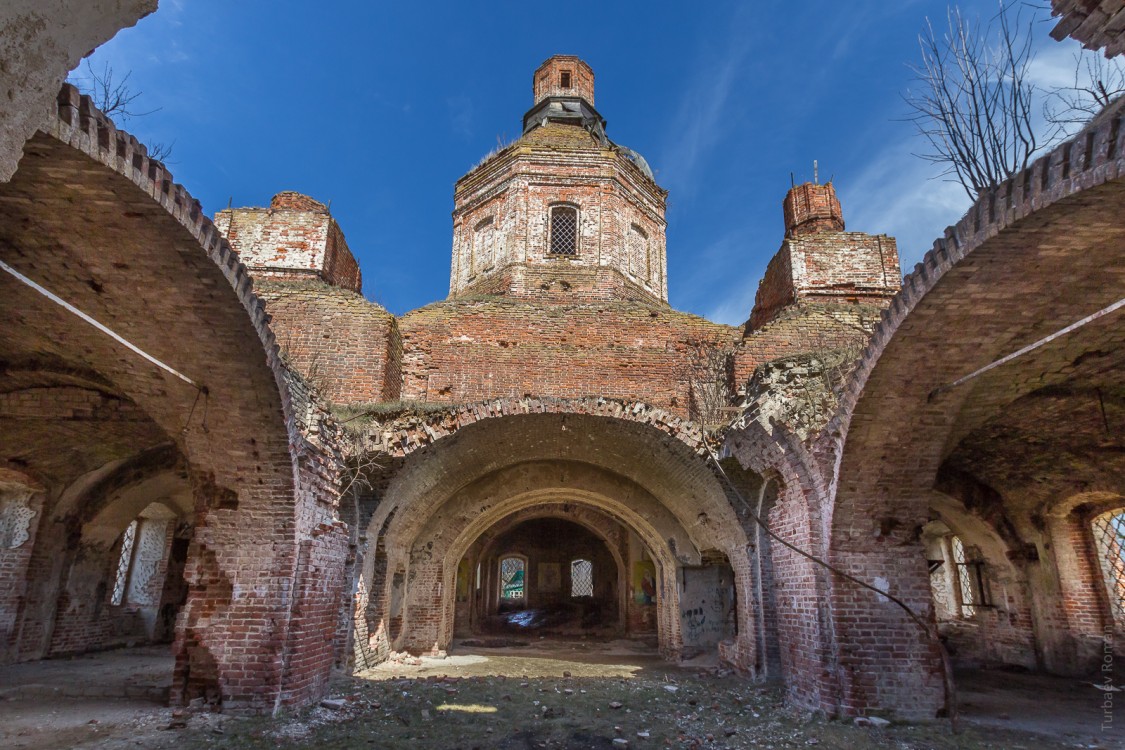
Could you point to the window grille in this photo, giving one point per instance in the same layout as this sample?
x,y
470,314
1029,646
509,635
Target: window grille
x,y
964,578
123,562
511,578
581,578
1109,538
564,230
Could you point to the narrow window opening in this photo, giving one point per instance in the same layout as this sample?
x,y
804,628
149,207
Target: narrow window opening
x,y
581,578
1109,539
639,262
565,79
484,241
964,578
564,230
512,576
124,561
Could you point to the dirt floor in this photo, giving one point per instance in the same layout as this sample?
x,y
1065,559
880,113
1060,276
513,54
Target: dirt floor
x,y
536,696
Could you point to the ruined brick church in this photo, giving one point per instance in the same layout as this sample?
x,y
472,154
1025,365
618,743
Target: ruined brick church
x,y
249,461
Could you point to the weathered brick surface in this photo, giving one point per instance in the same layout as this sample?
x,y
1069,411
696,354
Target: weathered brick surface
x,y
159,274
294,238
1035,255
502,208
1098,24
348,348
510,454
820,262
548,78
466,350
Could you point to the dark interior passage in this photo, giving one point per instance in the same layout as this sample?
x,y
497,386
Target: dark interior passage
x,y
549,576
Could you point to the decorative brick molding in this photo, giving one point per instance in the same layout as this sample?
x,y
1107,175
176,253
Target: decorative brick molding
x,y
1098,24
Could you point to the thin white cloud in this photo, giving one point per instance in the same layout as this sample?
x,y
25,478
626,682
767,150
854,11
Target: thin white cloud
x,y
707,290
1053,66
733,308
460,115
903,196
696,128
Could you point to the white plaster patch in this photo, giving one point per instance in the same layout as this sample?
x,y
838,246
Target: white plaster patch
x,y
883,585
15,520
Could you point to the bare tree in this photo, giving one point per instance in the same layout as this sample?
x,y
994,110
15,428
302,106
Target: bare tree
x,y
117,100
974,103
111,95
1098,82
704,370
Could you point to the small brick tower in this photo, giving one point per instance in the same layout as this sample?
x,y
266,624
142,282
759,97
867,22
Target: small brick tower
x,y
563,213
294,238
811,208
564,76
821,263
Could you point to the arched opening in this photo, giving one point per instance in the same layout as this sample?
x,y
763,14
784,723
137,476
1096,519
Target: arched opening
x,y
512,592
1005,393
1108,530
769,648
556,578
616,523
201,425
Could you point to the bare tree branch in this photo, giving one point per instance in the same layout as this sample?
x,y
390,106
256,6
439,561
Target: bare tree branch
x,y
111,95
117,101
1098,82
974,100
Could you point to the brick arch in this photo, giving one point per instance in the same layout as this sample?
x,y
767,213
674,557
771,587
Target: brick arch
x,y
403,436
455,530
438,446
93,219
660,455
1039,253
590,518
136,200
806,643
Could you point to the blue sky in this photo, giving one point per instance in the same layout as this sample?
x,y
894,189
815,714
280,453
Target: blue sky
x,y
380,107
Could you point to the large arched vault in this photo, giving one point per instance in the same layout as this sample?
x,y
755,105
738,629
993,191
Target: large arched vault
x,y
604,456
91,219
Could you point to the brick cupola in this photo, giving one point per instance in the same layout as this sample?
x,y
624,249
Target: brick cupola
x,y
811,208
820,263
294,239
563,89
564,213
564,76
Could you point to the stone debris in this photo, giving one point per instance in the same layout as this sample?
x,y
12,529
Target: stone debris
x,y
871,721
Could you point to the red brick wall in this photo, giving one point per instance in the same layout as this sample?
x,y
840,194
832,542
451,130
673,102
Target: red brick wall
x,y
839,267
469,350
18,504
347,347
810,208
547,80
620,212
803,328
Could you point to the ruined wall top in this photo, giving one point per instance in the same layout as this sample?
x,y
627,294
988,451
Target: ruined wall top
x,y
295,238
